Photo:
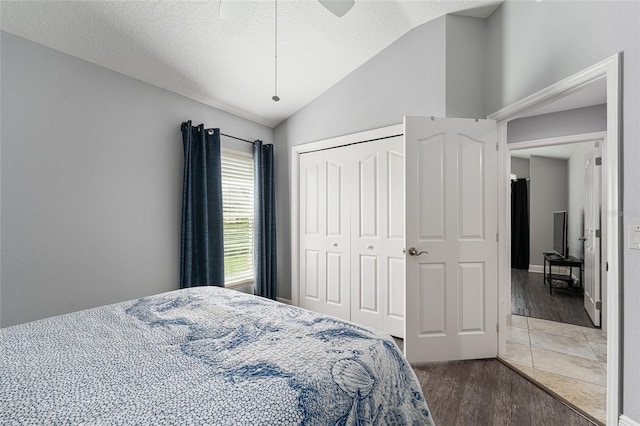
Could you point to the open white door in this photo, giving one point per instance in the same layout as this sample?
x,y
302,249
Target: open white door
x,y
591,235
451,215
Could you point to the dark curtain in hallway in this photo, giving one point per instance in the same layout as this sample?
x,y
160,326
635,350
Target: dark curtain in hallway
x,y
202,250
265,283
519,225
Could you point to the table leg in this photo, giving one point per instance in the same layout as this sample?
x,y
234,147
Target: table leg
x,y
550,288
581,286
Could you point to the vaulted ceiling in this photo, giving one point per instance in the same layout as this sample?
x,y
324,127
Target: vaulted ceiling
x,y
185,47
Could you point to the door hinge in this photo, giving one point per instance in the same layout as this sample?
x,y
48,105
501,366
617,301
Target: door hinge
x,y
497,147
497,327
606,266
598,161
597,233
497,237
599,306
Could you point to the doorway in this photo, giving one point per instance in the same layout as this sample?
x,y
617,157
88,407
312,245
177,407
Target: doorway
x,y
606,72
551,336
550,223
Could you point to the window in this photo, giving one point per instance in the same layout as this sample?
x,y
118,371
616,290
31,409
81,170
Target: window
x,y
237,211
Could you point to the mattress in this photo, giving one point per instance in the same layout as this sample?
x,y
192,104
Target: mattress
x,y
204,355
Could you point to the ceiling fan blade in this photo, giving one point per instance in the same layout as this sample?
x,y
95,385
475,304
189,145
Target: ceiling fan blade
x,y
231,10
338,7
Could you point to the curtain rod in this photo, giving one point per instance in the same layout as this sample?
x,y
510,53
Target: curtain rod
x,y
236,138
222,134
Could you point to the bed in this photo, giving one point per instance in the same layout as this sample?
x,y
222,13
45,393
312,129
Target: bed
x,y
204,355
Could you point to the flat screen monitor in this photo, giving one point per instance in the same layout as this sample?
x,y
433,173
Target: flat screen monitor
x,y
560,233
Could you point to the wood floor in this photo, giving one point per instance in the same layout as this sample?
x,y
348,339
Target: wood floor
x,y
531,298
486,392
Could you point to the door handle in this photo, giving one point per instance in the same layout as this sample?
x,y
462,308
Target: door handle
x,y
582,239
414,252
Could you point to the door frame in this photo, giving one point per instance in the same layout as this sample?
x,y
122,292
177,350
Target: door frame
x,y
609,69
294,188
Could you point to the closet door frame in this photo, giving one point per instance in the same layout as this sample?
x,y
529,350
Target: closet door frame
x,y
294,189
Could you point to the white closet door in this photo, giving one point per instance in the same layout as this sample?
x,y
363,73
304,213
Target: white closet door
x,y
312,231
337,247
366,235
393,242
352,226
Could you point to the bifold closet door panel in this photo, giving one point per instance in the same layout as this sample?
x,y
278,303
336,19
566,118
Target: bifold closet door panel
x,y
352,241
337,246
393,239
312,231
366,235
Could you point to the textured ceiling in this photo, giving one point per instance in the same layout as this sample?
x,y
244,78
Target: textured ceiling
x,y
184,47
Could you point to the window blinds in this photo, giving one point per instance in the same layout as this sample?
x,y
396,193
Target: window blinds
x,y
237,206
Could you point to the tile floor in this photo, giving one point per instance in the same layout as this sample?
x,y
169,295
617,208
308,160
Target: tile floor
x,y
568,359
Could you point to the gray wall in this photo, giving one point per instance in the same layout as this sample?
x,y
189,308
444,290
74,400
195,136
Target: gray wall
x,y
548,184
91,182
465,42
520,167
534,44
563,123
1,178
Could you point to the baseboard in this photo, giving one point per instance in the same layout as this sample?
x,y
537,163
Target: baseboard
x,y
626,421
536,268
283,300
539,269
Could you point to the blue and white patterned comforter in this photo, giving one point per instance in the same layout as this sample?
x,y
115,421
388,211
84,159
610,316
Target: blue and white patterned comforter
x,y
204,356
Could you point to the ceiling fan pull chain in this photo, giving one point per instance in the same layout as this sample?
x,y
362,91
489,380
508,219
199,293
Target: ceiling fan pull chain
x,y
275,97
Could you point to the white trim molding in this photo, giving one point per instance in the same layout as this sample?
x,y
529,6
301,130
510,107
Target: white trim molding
x,y
626,421
609,69
560,140
283,300
294,188
560,89
539,269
